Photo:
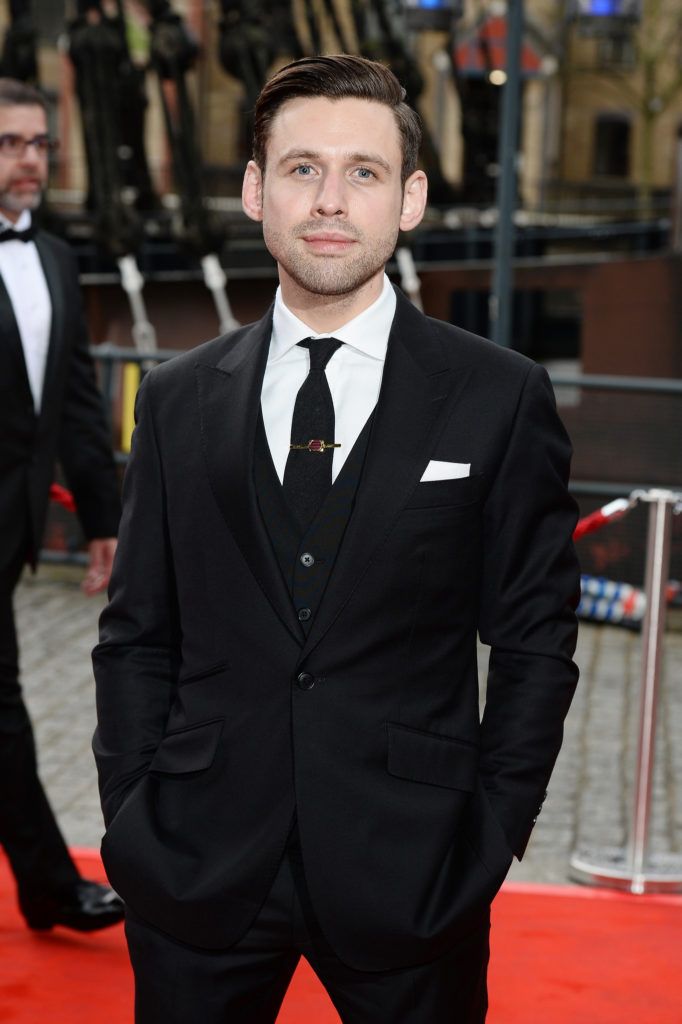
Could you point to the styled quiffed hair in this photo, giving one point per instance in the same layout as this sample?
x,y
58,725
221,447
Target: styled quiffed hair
x,y
14,93
335,77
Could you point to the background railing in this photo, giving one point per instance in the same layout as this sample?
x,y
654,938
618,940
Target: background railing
x,y
626,434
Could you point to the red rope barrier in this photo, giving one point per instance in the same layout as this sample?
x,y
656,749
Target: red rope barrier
x,y
606,600
62,497
601,599
595,520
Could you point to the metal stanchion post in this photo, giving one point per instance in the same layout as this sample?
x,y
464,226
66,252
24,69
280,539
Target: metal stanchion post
x,y
634,868
657,564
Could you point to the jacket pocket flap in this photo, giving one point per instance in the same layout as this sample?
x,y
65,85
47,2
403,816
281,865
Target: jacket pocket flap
x,y
190,750
428,757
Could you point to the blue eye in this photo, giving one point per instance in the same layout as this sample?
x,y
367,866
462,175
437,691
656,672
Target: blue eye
x,y
365,173
303,170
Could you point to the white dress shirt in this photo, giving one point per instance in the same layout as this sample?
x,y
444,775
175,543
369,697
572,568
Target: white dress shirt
x,y
354,374
22,273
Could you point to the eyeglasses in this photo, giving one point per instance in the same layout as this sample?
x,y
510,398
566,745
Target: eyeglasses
x,y
15,145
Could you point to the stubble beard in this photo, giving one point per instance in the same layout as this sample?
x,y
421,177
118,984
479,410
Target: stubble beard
x,y
18,202
329,275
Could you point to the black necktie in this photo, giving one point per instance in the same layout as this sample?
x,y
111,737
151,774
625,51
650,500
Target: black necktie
x,y
10,235
308,471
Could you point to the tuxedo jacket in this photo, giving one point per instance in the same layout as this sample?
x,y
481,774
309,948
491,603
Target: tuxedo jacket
x,y
71,425
220,720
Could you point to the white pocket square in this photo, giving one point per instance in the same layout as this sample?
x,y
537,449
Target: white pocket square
x,y
445,471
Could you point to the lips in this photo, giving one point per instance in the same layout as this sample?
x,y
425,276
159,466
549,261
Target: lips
x,y
327,236
328,242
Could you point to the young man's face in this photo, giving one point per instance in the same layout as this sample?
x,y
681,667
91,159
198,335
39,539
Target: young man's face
x,y
22,178
331,200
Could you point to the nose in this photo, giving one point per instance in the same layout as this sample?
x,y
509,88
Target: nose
x,y
330,199
32,157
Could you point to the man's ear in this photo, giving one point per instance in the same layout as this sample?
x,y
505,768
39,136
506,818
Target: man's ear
x,y
252,191
414,201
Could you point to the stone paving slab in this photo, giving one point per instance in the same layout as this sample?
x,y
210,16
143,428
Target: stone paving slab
x,y
590,793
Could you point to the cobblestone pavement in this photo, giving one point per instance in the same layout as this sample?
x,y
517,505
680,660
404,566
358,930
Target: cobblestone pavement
x,y
590,792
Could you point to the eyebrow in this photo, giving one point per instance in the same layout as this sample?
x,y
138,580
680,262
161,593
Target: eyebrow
x,y
353,158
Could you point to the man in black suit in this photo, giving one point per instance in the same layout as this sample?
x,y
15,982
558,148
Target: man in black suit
x,y
50,408
320,513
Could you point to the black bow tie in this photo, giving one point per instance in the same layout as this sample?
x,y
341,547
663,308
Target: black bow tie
x,y
10,235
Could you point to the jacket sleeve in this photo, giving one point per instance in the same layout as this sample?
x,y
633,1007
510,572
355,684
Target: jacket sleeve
x,y
84,437
136,660
530,588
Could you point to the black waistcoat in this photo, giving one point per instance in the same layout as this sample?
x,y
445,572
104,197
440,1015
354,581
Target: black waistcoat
x,y
306,561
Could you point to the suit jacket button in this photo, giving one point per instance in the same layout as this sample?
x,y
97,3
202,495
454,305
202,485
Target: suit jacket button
x,y
305,681
304,614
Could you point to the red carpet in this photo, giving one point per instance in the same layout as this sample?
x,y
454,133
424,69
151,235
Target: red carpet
x,y
560,956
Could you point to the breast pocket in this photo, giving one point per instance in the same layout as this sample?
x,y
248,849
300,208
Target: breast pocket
x,y
446,493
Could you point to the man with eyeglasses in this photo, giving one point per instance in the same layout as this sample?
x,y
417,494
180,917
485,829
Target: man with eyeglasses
x,y
50,409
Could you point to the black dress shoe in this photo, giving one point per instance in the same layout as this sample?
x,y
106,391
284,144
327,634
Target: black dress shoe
x,y
87,907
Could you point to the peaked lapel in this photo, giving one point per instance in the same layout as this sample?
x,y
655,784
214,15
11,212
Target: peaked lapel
x,y
55,287
229,403
410,414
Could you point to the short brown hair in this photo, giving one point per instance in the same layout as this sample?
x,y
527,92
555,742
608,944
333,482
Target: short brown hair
x,y
335,77
14,93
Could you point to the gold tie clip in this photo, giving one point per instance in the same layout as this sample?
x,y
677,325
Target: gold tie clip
x,y
313,446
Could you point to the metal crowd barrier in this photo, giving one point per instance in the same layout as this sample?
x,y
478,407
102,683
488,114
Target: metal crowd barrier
x,y
635,867
120,370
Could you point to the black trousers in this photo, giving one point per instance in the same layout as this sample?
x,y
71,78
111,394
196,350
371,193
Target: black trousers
x,y
180,984
29,833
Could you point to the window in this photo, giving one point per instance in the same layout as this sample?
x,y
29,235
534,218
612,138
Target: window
x,y
612,146
616,51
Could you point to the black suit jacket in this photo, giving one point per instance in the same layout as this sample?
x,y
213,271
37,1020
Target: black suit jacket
x,y
71,426
409,810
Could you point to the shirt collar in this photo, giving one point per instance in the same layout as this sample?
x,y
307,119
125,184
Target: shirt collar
x,y
367,332
22,223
